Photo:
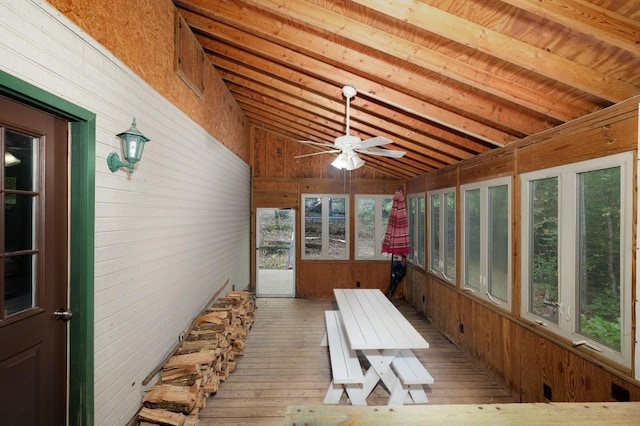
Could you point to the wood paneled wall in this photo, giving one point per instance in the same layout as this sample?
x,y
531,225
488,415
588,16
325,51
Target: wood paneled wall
x,y
525,358
279,180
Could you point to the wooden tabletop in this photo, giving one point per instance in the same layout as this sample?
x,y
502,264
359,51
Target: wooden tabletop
x,y
373,322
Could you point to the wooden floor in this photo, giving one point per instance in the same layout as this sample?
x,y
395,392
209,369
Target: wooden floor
x,y
284,364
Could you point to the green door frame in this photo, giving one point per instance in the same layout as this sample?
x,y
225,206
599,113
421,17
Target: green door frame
x,y
81,244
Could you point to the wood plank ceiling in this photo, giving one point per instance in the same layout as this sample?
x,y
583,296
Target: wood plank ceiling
x,y
443,79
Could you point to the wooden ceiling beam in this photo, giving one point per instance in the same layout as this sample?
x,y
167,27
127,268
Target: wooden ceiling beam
x,y
489,81
587,18
266,75
363,122
397,169
433,160
437,21
262,38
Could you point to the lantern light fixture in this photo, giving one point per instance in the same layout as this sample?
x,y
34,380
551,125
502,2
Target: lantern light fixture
x,y
132,143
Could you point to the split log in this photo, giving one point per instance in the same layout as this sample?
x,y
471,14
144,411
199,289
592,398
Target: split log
x,y
181,376
179,399
161,417
202,357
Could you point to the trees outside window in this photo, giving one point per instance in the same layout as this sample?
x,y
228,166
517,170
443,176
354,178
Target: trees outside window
x,y
442,233
325,226
372,216
576,252
486,240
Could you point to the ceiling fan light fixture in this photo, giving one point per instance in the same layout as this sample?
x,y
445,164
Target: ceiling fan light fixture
x,y
348,160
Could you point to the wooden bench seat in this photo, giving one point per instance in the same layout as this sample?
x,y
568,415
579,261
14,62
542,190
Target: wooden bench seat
x,y
345,366
412,375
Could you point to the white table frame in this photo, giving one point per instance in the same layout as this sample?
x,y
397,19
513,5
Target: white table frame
x,y
376,327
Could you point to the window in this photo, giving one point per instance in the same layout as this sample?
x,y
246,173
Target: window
x,y
442,233
486,240
372,215
416,219
326,226
576,252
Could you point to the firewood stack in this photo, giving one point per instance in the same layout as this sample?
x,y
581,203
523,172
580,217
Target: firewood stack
x,y
204,359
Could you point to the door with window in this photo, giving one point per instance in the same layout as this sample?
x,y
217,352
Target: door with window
x,y
33,268
275,252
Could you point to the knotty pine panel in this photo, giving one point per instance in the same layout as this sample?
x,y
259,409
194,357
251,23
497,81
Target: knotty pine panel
x,y
274,157
568,376
593,142
416,185
418,293
488,165
442,178
443,309
317,279
282,194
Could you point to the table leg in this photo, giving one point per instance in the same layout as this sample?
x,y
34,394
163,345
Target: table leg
x,y
380,369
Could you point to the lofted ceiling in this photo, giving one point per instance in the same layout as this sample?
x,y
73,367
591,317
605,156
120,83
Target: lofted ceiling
x,y
445,80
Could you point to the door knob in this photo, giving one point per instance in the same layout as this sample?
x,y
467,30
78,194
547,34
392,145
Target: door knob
x,y
63,314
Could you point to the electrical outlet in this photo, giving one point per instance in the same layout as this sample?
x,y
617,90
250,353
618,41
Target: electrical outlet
x,y
547,392
357,283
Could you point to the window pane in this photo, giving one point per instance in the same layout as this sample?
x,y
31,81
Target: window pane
x,y
412,229
20,166
498,273
19,225
599,255
19,285
421,229
543,240
472,238
450,235
337,227
434,232
365,227
312,226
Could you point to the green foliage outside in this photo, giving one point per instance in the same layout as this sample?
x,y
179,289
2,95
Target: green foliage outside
x,y
598,254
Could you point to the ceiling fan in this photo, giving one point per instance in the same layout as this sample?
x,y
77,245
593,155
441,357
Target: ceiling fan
x,y
349,146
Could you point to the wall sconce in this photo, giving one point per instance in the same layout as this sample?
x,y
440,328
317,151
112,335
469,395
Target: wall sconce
x,y
132,142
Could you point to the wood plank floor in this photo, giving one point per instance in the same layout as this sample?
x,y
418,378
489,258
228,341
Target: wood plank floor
x,y
283,364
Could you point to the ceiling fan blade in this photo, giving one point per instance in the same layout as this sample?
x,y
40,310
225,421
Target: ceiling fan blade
x,y
382,152
375,141
331,151
330,145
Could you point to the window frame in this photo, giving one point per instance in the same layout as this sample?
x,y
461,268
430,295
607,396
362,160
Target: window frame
x,y
439,269
416,225
568,251
324,252
380,226
484,261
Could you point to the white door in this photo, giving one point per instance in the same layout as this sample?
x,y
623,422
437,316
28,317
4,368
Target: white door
x,y
275,252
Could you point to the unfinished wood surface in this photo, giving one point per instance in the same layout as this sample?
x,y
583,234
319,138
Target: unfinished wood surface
x,y
284,364
610,413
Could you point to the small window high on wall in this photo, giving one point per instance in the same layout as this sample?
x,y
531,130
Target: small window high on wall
x,y
325,229
486,240
576,253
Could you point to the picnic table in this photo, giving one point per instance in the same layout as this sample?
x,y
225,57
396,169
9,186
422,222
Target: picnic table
x,y
371,325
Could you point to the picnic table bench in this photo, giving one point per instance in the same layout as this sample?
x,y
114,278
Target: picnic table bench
x,y
368,322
